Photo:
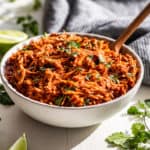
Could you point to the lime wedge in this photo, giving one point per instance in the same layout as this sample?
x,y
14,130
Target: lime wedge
x,y
9,38
20,144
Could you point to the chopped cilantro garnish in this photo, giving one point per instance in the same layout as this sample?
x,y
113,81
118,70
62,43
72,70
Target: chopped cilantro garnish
x,y
36,80
87,101
59,100
90,56
108,65
70,88
88,76
29,47
78,68
114,78
66,50
73,44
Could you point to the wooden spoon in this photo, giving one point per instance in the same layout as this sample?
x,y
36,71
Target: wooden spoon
x,y
131,28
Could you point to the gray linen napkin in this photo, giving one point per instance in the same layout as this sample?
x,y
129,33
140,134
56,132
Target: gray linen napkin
x,y
104,17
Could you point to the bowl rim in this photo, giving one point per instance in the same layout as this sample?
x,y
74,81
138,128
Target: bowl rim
x,y
18,46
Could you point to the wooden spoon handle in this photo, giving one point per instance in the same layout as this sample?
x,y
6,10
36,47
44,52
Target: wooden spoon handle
x,y
131,28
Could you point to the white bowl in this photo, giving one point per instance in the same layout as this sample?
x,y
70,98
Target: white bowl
x,y
70,116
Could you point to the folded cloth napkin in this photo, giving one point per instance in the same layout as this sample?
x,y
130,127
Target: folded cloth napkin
x,y
104,17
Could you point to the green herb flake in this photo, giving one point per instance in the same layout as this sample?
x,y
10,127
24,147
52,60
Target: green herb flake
x,y
66,50
90,56
70,88
73,44
42,69
87,101
88,76
114,78
29,47
36,80
4,98
59,100
108,65
36,5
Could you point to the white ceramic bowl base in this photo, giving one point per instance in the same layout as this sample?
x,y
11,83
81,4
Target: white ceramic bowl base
x,y
69,116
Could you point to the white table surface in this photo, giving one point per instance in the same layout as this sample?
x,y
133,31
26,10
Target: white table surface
x,y
43,137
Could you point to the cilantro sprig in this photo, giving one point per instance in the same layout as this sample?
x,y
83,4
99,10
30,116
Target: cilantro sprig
x,y
28,24
73,44
4,98
139,137
36,5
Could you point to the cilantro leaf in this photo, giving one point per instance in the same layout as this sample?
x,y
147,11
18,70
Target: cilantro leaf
x,y
59,100
136,127
140,133
133,110
88,76
28,24
147,102
91,56
36,5
4,98
108,65
87,101
134,142
118,139
66,50
114,78
73,44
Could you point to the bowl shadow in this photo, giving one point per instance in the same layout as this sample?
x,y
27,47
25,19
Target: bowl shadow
x,y
42,136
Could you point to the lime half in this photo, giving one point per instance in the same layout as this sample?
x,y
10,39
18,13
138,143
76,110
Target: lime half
x,y
9,38
20,144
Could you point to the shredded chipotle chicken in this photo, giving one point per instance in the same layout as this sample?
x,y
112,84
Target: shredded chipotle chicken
x,y
71,70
